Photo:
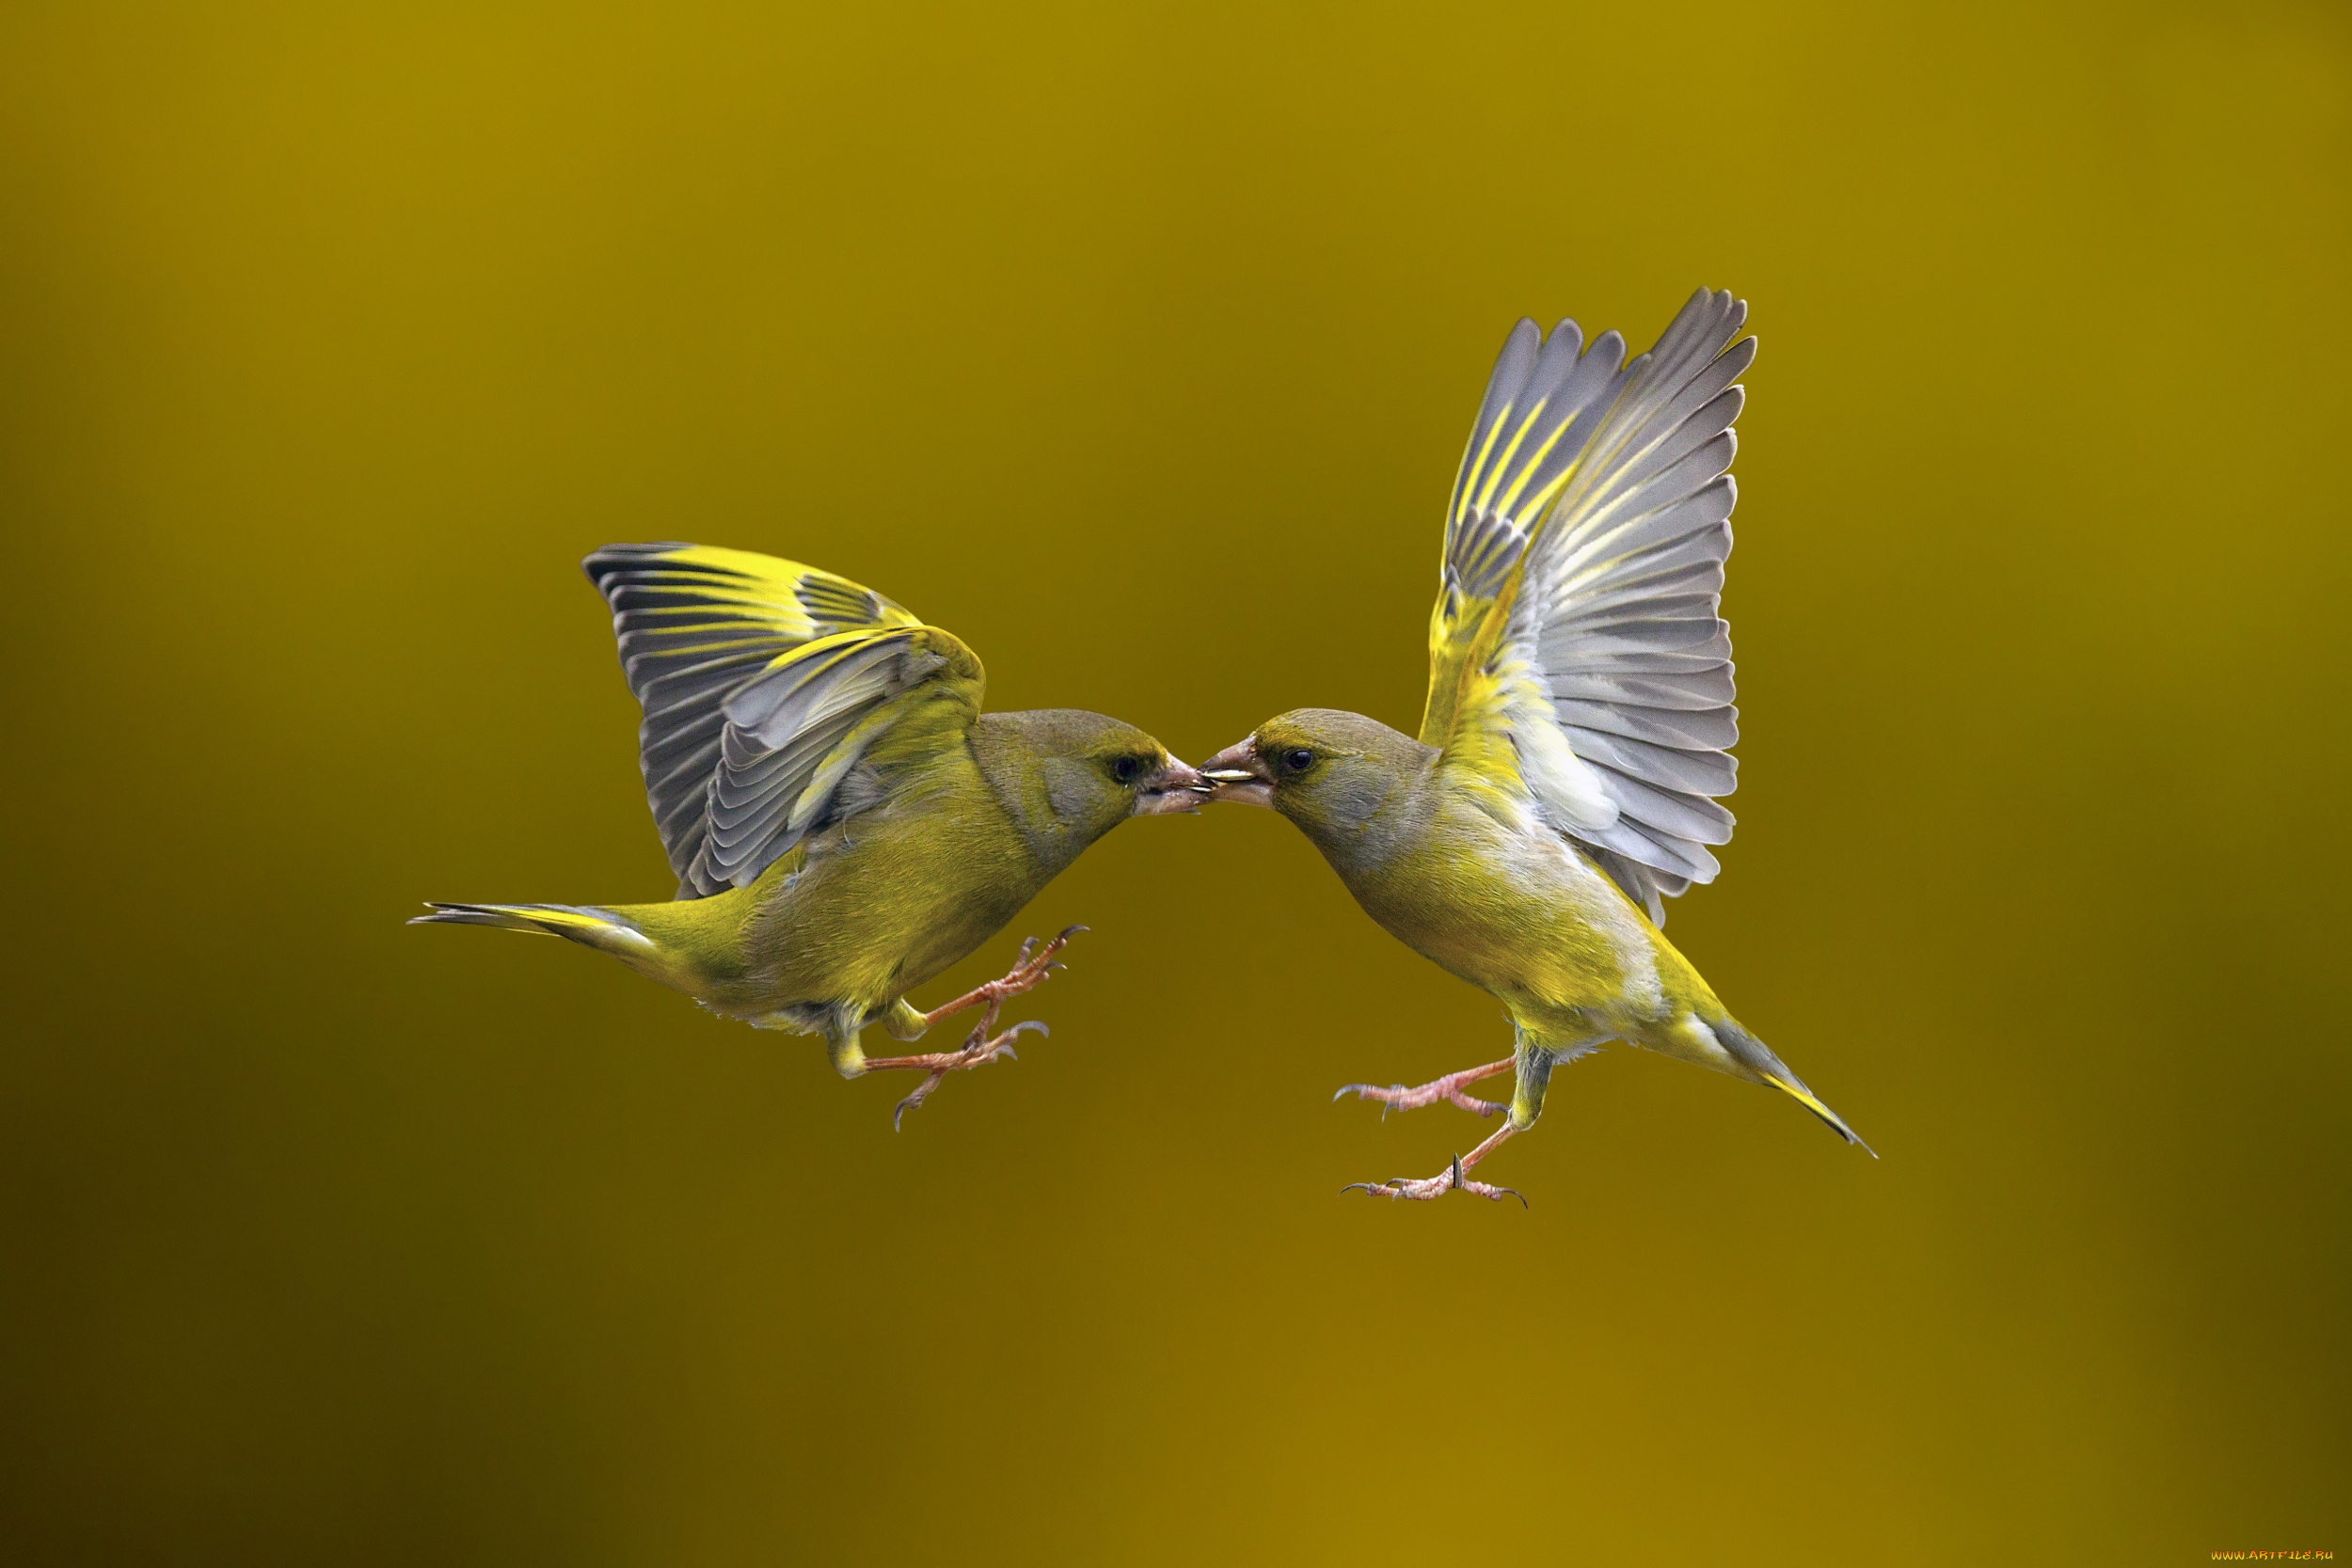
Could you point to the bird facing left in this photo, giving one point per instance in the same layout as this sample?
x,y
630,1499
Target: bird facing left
x,y
844,820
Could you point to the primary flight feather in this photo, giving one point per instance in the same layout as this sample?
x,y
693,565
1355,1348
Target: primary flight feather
x,y
844,820
1577,734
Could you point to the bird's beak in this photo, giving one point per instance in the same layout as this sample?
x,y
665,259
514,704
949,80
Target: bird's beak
x,y
1175,787
1236,775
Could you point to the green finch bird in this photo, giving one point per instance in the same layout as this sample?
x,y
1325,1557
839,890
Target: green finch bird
x,y
1580,713
844,820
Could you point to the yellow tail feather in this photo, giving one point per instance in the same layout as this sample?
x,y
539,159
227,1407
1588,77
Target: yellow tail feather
x,y
601,929
1804,1097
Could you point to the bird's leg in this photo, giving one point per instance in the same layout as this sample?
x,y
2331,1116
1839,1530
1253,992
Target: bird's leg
x,y
983,1044
1028,970
980,1048
1455,1178
1398,1098
1534,1063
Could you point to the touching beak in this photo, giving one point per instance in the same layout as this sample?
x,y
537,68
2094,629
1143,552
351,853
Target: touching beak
x,y
1175,787
1236,775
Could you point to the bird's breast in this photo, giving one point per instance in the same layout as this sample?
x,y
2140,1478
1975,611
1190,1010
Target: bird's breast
x,y
892,897
1516,912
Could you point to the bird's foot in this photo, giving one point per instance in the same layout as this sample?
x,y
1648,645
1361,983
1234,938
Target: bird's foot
x,y
1029,971
1398,1098
979,1050
1456,1178
980,1046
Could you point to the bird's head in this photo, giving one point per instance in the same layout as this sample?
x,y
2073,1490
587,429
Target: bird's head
x,y
1328,772
1094,772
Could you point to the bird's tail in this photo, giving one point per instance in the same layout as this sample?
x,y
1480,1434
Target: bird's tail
x,y
1758,1057
606,930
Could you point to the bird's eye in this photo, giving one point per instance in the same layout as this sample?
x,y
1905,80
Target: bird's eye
x,y
1126,768
1298,759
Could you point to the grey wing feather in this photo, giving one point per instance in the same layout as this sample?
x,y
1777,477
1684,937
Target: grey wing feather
x,y
1644,884
1541,398
738,733
784,731
1617,611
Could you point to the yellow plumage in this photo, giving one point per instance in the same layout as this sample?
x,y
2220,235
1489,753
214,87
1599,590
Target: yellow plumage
x,y
844,820
1576,727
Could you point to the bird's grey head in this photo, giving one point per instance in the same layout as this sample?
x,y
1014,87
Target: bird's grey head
x,y
1069,776
1330,772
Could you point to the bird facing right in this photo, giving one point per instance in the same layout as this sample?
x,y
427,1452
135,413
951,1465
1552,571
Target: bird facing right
x,y
1577,724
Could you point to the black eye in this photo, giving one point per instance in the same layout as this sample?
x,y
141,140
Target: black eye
x,y
1298,759
1126,768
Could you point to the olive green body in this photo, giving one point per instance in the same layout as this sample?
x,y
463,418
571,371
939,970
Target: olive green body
x,y
941,841
868,909
1513,908
1467,875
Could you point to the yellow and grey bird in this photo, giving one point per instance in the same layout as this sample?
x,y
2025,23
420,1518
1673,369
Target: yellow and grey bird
x,y
1577,727
844,820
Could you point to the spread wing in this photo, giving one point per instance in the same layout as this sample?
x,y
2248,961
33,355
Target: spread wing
x,y
764,683
1576,646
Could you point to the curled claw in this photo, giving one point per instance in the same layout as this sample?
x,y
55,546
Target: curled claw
x,y
1455,1178
1069,931
981,1046
1492,1194
1397,1097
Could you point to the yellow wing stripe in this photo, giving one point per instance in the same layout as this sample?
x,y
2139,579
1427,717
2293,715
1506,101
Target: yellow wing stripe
x,y
1478,468
1527,473
1502,463
768,587
1536,507
830,650
1488,483
739,563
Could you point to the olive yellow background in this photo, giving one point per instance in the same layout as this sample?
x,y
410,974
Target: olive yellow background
x,y
1136,344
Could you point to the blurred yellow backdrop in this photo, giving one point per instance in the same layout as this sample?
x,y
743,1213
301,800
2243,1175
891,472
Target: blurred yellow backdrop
x,y
1136,344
